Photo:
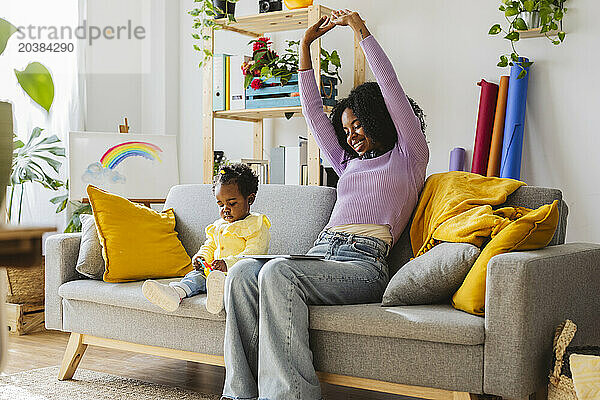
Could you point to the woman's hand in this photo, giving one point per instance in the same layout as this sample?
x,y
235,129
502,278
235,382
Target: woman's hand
x,y
219,265
351,19
314,32
344,17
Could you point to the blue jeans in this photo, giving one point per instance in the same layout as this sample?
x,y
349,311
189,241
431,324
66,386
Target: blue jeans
x,y
193,283
267,352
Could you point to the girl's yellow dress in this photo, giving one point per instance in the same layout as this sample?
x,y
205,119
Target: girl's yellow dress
x,y
229,240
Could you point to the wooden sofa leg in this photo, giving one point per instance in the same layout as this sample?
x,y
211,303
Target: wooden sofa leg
x,y
72,357
464,396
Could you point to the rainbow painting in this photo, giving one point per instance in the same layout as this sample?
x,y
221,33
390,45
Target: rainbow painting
x,y
117,154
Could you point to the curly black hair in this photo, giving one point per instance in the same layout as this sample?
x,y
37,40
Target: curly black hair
x,y
367,103
239,174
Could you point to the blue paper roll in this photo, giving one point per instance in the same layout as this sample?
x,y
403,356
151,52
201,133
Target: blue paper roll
x,y
514,124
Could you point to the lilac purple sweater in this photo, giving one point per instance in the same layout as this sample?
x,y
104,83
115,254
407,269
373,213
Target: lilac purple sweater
x,y
382,190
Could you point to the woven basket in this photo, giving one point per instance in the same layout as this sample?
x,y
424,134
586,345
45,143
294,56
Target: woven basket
x,y
25,285
561,386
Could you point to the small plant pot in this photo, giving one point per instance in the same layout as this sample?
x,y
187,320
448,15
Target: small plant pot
x,y
532,19
227,7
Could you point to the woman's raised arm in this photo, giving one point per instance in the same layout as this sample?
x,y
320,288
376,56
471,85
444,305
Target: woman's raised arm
x,y
312,103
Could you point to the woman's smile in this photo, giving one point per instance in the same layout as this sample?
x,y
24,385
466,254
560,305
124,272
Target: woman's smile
x,y
355,133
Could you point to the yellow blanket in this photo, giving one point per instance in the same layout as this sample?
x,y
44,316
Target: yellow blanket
x,y
457,207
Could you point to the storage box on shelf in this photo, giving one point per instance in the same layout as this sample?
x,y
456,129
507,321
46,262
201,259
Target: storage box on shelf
x,y
256,26
273,94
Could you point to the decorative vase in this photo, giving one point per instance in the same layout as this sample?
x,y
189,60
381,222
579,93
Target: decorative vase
x,y
6,148
293,4
227,7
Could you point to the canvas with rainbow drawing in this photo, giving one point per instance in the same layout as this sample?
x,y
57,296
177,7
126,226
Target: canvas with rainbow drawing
x,y
135,166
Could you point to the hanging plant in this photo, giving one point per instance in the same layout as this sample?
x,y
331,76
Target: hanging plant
x,y
204,22
551,14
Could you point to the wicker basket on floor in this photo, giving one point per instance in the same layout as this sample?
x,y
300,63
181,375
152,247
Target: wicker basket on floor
x,y
561,386
25,285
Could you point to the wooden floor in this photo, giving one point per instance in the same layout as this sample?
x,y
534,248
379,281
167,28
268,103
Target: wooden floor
x,y
45,349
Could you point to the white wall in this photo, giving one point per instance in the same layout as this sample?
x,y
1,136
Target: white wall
x,y
440,50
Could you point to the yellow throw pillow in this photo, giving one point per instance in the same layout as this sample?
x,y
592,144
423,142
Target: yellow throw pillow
x,y
533,230
586,376
137,242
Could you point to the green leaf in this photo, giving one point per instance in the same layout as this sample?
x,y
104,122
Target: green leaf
x,y
335,59
527,64
54,164
561,36
37,82
494,30
511,11
6,31
522,74
520,24
196,36
503,61
512,36
529,5
17,144
247,81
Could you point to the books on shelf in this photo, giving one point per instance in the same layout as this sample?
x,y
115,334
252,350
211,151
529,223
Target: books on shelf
x,y
237,96
219,82
260,168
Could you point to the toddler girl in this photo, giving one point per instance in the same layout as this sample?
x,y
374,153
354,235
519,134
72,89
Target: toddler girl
x,y
237,232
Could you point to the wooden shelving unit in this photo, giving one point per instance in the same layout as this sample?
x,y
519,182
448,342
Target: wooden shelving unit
x,y
533,33
257,26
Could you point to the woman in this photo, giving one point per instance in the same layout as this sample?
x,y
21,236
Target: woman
x,y
380,154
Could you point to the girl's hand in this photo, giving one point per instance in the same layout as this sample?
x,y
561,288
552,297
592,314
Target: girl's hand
x,y
219,265
345,17
314,32
197,262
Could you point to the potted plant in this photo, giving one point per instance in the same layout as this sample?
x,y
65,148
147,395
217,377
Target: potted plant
x,y
520,16
266,63
30,163
204,22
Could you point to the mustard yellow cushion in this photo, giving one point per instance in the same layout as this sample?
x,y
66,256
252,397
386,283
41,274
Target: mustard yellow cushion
x,y
533,230
137,242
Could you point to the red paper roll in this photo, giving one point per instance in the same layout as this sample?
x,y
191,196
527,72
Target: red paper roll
x,y
485,123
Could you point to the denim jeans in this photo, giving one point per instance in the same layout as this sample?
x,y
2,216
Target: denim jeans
x,y
193,283
267,352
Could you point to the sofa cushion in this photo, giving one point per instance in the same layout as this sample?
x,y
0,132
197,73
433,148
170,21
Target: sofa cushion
x,y
137,242
129,295
89,261
291,210
432,277
433,323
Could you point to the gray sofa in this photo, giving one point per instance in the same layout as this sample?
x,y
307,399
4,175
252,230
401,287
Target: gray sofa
x,y
429,351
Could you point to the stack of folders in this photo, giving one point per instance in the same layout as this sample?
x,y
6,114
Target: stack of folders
x,y
228,82
289,164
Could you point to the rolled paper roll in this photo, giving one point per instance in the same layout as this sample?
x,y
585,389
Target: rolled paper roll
x,y
485,121
493,168
457,159
514,124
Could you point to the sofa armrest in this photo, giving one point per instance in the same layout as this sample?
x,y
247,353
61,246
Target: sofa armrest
x,y
61,257
528,294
